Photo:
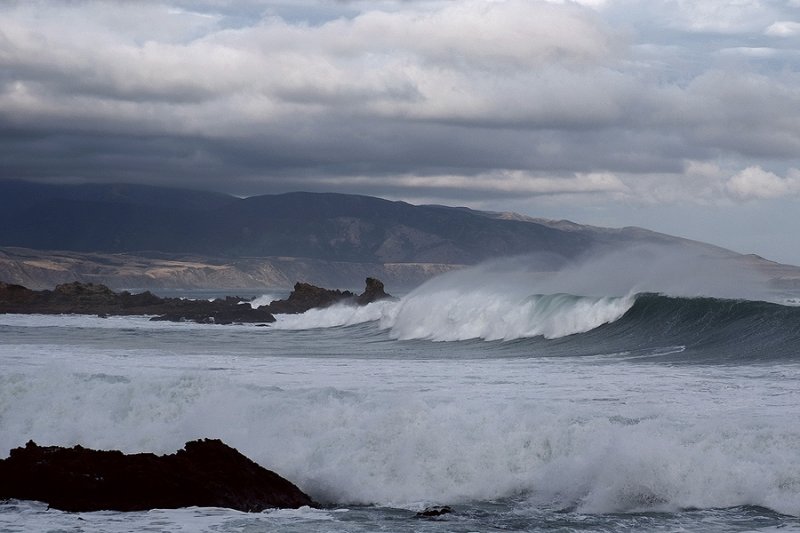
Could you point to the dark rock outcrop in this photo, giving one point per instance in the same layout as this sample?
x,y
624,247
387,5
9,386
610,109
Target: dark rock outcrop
x,y
228,310
206,473
432,512
372,292
95,299
306,296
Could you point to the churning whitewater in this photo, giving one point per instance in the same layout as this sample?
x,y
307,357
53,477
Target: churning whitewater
x,y
454,316
549,408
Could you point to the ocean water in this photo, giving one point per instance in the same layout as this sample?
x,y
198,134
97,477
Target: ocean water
x,y
523,405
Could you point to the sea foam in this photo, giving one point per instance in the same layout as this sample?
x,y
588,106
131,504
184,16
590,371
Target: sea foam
x,y
408,433
453,314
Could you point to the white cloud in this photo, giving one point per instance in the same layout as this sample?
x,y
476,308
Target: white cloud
x,y
425,56
745,113
484,34
751,51
392,93
755,183
783,28
515,182
718,16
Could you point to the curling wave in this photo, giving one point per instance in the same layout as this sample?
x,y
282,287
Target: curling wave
x,y
710,329
453,315
640,325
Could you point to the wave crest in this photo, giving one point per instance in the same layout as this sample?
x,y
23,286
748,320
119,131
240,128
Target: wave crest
x,y
335,316
456,315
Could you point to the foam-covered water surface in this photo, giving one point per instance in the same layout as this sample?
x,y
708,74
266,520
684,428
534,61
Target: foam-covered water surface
x,y
529,412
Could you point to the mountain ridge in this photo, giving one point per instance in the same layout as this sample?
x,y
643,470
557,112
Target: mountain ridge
x,y
153,236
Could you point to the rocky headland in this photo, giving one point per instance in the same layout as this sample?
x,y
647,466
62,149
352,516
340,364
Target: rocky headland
x,y
96,299
205,473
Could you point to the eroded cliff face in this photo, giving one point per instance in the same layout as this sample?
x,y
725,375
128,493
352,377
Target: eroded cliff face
x,y
42,269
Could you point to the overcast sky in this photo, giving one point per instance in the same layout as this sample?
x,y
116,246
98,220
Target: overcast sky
x,y
681,116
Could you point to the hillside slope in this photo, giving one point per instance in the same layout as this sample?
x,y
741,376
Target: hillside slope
x,y
325,226
141,236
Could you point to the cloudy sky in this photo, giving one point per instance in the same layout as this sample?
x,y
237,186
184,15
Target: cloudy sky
x,y
681,116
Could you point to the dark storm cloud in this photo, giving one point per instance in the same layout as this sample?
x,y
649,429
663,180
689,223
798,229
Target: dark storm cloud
x,y
456,99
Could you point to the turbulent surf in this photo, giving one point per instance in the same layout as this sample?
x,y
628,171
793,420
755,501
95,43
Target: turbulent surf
x,y
703,329
522,403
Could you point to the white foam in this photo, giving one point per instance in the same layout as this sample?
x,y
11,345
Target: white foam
x,y
450,315
602,437
264,299
334,316
137,322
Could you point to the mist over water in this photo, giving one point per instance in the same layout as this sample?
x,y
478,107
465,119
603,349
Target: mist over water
x,y
667,269
511,298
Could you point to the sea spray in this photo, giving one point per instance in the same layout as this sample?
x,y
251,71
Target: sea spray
x,y
264,299
510,298
459,315
452,315
335,315
596,435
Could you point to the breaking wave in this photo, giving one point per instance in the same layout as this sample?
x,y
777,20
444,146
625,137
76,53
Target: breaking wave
x,y
652,296
453,316
460,440
651,325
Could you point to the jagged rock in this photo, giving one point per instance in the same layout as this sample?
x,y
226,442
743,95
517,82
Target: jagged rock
x,y
228,310
372,292
88,292
206,473
15,294
95,299
434,511
306,296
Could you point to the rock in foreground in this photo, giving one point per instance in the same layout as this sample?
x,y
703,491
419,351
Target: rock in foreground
x,y
206,473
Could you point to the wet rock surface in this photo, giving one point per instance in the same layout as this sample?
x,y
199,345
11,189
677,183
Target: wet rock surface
x,y
432,512
205,473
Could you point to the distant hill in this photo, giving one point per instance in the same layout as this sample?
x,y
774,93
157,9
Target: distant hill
x,y
310,229
334,227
